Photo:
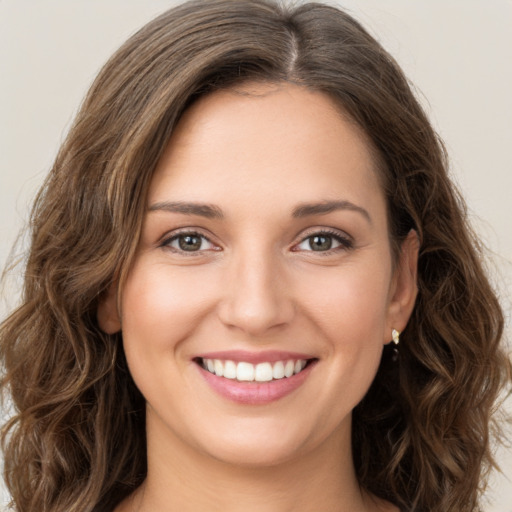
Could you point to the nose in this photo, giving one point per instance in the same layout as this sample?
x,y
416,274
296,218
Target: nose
x,y
257,298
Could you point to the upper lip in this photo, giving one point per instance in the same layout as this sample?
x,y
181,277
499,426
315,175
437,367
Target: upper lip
x,y
270,356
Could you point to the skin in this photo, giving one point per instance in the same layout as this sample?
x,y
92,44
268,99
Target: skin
x,y
255,283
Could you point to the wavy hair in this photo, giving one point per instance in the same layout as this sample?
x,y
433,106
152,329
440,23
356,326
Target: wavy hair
x,y
76,440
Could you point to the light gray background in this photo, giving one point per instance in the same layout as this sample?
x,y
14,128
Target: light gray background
x,y
458,53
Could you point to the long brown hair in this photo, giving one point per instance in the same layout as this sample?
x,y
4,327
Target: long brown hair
x,y
77,439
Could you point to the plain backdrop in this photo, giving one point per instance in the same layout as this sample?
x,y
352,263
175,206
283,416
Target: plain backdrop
x,y
458,53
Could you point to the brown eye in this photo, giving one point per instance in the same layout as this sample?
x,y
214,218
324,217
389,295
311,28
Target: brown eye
x,y
324,242
320,242
189,242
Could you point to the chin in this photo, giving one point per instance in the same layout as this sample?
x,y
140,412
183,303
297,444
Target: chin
x,y
253,455
253,443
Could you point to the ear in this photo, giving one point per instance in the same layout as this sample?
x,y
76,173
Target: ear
x,y
404,288
108,313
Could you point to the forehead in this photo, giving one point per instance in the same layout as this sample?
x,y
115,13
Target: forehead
x,y
266,138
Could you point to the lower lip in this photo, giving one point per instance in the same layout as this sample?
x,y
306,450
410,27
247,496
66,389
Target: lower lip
x,y
256,393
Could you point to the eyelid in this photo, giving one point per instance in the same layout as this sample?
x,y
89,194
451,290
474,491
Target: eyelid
x,y
344,239
173,235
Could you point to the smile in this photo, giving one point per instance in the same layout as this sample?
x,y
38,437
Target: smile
x,y
255,378
244,371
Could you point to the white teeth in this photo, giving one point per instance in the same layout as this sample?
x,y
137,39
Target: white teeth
x,y
278,370
263,372
247,372
230,370
289,367
218,367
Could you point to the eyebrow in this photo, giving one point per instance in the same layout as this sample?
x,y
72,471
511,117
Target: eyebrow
x,y
212,211
209,211
325,207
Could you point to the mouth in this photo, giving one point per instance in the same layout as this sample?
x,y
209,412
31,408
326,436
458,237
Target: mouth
x,y
254,379
244,371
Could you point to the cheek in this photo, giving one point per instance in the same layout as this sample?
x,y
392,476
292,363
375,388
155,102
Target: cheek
x,y
163,300
162,307
351,315
349,309
349,304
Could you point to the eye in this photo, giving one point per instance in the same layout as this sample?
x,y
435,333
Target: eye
x,y
323,242
189,242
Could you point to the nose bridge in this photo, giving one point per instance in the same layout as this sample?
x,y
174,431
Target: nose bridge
x,y
256,298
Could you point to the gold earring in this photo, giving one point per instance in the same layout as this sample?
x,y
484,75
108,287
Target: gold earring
x,y
396,336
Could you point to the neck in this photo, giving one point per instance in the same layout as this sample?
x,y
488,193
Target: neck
x,y
182,478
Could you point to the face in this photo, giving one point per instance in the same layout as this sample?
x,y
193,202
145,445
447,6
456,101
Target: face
x,y
263,291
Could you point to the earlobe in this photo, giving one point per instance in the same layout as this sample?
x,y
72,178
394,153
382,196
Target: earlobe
x,y
404,287
107,313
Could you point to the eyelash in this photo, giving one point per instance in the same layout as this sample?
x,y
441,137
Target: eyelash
x,y
176,236
345,242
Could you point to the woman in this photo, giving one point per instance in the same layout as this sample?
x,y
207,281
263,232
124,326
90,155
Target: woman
x,y
251,284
